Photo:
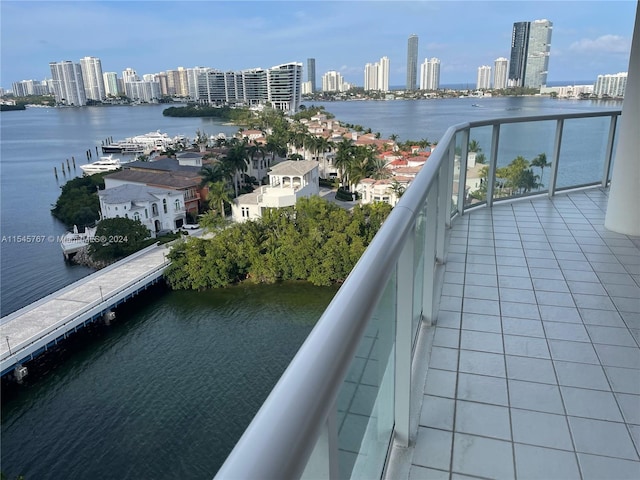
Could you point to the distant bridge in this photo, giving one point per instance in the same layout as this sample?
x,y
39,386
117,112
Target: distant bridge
x,y
32,330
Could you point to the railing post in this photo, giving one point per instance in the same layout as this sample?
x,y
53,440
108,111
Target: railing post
x,y
608,154
323,462
428,292
444,205
404,309
556,157
493,163
462,178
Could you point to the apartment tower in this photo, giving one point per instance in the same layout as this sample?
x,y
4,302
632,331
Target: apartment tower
x,y
530,48
311,73
500,73
430,74
484,78
535,75
93,80
67,83
412,62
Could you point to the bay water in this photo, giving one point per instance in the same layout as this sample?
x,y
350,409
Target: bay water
x,y
167,390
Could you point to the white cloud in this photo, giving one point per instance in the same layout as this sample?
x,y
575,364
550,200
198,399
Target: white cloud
x,y
602,44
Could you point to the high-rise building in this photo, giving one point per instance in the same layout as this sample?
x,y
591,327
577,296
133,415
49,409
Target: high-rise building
x,y
371,76
111,86
280,85
611,85
192,81
284,88
484,78
412,62
376,75
67,83
311,73
130,75
530,48
383,74
535,75
518,60
29,87
92,77
430,74
500,73
332,81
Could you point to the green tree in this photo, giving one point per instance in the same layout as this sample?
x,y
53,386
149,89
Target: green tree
x,y
541,162
78,203
236,160
345,154
120,237
218,196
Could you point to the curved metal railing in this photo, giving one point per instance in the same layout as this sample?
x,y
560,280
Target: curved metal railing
x,y
346,394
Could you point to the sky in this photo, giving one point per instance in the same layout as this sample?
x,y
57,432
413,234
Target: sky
x,y
589,38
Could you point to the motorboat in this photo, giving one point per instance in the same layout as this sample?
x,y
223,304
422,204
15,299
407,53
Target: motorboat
x,y
146,143
104,164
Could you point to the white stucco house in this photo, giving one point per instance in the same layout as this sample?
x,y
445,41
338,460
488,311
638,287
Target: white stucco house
x,y
157,208
288,181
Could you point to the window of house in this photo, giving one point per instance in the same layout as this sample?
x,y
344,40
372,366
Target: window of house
x,y
177,204
164,205
146,213
154,208
136,216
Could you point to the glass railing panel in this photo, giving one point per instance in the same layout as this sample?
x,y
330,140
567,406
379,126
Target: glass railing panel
x,y
477,166
522,146
366,400
456,172
418,270
582,151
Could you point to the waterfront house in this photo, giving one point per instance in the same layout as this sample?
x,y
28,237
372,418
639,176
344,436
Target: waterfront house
x,y
288,181
157,208
181,174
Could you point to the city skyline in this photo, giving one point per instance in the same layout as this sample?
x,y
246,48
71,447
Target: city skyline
x,y
590,38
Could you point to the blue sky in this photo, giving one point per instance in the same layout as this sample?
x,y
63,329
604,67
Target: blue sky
x,y
589,37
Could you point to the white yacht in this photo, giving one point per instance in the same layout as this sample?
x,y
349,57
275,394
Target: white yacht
x,y
105,164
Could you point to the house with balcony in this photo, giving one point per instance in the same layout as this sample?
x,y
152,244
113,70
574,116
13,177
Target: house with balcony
x,y
157,208
288,181
491,338
181,175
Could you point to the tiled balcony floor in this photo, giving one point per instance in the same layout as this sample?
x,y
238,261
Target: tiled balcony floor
x,y
535,365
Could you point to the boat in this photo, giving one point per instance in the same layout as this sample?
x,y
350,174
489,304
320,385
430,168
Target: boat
x,y
123,147
104,164
146,143
72,242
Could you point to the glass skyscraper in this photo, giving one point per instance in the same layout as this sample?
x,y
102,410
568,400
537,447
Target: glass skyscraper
x,y
311,73
412,62
530,47
535,75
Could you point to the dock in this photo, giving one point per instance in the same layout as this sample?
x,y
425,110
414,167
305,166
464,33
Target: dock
x,y
32,330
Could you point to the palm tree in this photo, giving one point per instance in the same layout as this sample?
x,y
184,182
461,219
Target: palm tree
x,y
344,158
275,146
528,181
212,174
236,159
202,140
397,188
541,162
474,146
219,195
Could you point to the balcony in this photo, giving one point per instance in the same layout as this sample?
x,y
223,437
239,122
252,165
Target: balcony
x,y
490,333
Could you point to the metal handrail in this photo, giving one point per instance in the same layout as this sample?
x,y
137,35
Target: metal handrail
x,y
280,439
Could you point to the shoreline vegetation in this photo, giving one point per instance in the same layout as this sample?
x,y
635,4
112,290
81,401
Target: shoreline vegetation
x,y
316,241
